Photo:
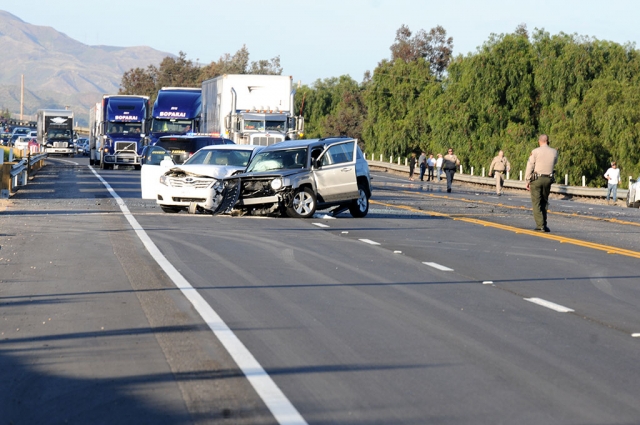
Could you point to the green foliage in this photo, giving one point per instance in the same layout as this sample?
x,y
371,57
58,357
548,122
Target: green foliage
x,y
181,72
332,107
582,92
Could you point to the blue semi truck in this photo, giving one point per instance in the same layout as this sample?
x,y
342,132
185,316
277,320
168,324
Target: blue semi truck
x,y
175,111
118,128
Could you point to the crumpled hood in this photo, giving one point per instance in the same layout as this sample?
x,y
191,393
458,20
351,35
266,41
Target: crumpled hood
x,y
213,171
272,173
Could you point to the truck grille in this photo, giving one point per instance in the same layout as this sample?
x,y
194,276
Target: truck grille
x,y
266,141
60,144
126,146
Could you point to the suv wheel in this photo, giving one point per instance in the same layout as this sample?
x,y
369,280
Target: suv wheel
x,y
360,207
303,204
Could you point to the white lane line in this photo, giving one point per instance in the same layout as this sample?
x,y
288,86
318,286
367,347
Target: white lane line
x,y
279,405
369,241
438,266
320,224
488,282
553,306
636,335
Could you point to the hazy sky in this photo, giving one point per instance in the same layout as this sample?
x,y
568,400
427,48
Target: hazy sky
x,y
317,39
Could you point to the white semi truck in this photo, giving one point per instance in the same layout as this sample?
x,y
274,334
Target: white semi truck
x,y
55,131
95,117
251,109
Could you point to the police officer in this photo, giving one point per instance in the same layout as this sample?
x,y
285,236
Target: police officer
x,y
539,177
499,167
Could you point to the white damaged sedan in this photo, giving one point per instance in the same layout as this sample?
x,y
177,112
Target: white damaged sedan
x,y
191,186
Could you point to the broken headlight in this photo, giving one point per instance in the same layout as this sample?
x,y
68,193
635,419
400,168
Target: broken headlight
x,y
164,180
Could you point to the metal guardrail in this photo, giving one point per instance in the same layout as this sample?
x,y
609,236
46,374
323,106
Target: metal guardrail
x,y
18,174
18,168
593,192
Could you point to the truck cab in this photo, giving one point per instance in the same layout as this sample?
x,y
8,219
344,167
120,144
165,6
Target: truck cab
x,y
176,111
121,131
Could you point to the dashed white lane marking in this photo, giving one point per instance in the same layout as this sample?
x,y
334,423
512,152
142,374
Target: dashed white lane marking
x,y
369,241
397,252
488,282
283,411
438,266
636,335
553,306
320,224
345,232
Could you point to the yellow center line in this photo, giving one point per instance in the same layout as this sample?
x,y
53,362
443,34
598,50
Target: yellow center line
x,y
606,248
610,220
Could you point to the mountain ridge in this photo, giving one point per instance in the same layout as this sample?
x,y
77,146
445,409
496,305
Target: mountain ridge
x,y
53,63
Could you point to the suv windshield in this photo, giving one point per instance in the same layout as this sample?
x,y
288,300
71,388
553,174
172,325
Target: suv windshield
x,y
279,160
236,158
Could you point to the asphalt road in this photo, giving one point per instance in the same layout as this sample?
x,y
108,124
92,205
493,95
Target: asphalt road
x,y
435,308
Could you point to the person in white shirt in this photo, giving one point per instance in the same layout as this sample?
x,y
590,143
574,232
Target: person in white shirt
x,y
439,165
613,176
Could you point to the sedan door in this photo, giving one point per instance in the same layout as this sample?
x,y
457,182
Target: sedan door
x,y
336,176
154,164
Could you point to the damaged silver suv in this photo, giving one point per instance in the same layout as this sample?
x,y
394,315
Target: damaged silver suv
x,y
298,177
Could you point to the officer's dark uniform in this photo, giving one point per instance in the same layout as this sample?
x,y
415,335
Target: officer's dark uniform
x,y
539,178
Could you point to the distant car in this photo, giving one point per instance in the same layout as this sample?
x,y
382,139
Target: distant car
x,y
298,177
183,146
633,194
5,137
33,133
80,145
21,143
19,132
190,186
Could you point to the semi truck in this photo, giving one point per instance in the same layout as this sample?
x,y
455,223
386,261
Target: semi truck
x,y
118,125
55,131
176,111
251,109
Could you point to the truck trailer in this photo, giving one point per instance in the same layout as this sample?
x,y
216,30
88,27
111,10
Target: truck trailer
x,y
118,130
176,111
251,109
95,114
55,131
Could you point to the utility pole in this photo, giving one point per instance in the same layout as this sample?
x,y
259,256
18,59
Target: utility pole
x,y
21,97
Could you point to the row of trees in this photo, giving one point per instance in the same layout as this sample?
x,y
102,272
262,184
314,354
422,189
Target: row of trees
x,y
583,92
181,72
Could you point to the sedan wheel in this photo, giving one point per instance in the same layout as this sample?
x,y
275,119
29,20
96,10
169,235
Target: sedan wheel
x,y
303,205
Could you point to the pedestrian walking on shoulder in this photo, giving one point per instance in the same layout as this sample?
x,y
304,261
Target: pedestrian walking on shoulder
x,y
449,164
499,168
431,163
613,177
539,177
422,162
412,165
439,166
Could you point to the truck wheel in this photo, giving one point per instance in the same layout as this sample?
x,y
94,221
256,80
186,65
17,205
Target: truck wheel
x,y
360,207
303,205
